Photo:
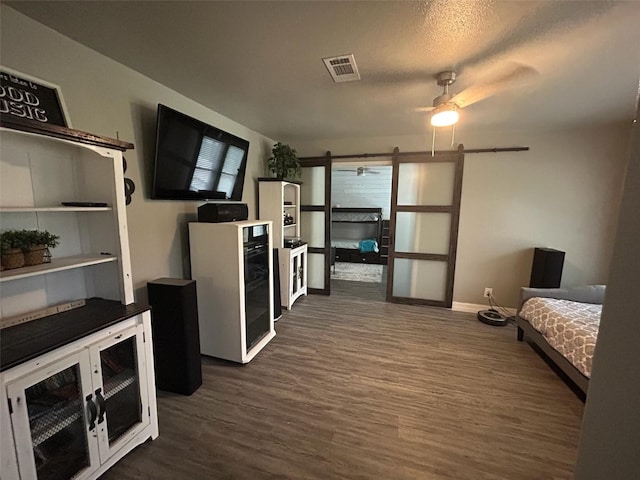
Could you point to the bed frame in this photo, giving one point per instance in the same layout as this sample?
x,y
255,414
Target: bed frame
x,y
586,294
353,254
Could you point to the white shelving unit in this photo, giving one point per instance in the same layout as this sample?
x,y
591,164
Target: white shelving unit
x,y
41,167
278,198
278,201
230,262
39,173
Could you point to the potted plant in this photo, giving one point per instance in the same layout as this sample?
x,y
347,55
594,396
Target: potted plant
x,y
284,162
36,245
11,245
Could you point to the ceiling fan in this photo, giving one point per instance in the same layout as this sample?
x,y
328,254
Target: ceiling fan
x,y
360,171
445,106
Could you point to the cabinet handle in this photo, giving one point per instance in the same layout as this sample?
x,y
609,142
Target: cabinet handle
x,y
93,412
102,407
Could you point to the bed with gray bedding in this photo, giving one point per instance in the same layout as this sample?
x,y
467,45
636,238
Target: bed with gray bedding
x,y
563,323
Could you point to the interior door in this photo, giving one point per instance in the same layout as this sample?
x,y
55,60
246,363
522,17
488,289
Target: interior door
x,y
425,210
120,389
315,221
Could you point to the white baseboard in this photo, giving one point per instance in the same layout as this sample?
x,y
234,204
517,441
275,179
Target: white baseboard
x,y
475,307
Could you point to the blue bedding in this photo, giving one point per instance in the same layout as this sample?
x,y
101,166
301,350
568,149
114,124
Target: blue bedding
x,y
368,245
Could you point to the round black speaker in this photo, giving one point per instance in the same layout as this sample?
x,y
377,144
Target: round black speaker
x,y
492,317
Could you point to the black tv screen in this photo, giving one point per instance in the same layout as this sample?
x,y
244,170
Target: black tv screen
x,y
196,161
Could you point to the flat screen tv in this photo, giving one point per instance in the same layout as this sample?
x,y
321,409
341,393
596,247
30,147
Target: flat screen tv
x,y
196,161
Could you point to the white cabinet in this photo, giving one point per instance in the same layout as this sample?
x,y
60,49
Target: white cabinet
x,y
279,201
60,371
293,271
231,264
77,410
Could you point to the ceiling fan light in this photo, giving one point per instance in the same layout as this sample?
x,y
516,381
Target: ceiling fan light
x,y
445,116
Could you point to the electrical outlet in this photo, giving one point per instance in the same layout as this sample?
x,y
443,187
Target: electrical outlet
x,y
488,291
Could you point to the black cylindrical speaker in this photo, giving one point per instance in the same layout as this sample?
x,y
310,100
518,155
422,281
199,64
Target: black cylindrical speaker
x,y
546,271
176,338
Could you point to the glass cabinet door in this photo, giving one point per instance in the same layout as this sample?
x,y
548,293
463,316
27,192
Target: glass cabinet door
x,y
301,270
54,420
119,390
257,296
295,266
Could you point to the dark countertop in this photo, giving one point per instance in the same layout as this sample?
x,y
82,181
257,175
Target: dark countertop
x,y
27,341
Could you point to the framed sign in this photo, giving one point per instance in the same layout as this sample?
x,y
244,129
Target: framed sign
x,y
28,99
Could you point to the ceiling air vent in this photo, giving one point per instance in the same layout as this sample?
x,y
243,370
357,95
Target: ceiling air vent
x,y
342,68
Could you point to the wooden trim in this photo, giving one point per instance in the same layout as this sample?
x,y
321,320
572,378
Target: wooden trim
x,y
433,257
65,133
326,208
357,210
315,161
418,301
392,224
407,154
327,223
372,222
455,223
426,208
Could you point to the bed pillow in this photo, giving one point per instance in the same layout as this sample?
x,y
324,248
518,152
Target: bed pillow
x,y
368,245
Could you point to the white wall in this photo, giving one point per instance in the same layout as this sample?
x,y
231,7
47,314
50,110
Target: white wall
x,y
563,193
611,424
371,190
106,98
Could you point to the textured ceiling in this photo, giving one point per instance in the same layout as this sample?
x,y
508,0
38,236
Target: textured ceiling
x,y
260,63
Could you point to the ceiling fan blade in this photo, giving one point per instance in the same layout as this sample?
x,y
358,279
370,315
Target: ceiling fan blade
x,y
344,170
493,85
423,109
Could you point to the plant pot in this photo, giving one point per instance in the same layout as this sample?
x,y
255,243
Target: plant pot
x,y
13,258
34,255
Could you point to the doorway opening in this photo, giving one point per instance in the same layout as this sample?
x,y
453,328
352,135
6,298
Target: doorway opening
x,y
361,205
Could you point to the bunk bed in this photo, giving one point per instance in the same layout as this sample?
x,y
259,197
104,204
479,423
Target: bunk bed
x,y
356,234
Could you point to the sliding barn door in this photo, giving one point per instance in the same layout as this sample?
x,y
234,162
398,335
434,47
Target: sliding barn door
x,y
315,221
425,209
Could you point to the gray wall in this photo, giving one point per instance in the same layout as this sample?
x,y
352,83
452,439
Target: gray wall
x,y
610,442
106,98
563,193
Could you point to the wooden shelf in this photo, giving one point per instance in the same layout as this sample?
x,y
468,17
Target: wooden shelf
x,y
63,133
54,209
56,265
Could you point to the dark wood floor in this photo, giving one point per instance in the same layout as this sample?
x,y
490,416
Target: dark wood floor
x,y
362,290
354,388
